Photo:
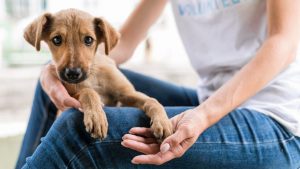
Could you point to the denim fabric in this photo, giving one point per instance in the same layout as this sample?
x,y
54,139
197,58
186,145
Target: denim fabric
x,y
243,139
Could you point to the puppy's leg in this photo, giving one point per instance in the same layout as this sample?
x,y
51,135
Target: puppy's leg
x,y
160,124
94,117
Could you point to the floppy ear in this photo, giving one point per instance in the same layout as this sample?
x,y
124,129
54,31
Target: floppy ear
x,y
107,34
35,31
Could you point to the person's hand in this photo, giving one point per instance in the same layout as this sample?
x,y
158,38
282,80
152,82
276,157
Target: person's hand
x,y
187,126
55,89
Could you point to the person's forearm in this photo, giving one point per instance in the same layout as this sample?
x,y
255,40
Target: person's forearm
x,y
274,56
135,28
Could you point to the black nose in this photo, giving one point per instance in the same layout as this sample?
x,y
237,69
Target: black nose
x,y
72,75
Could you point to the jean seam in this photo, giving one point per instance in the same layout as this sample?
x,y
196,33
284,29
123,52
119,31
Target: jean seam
x,y
49,145
88,145
29,164
117,141
294,158
248,143
46,114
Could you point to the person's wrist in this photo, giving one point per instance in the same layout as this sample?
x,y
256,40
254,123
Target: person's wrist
x,y
201,118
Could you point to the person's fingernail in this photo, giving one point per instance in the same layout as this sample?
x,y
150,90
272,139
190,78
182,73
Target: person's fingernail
x,y
122,143
164,148
134,162
80,109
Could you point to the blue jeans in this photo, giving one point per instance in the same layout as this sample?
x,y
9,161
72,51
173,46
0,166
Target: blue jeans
x,y
243,139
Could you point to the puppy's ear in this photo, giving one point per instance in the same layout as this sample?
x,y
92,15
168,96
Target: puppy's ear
x,y
106,33
35,31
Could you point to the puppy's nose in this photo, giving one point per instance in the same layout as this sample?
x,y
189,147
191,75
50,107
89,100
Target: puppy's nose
x,y
72,74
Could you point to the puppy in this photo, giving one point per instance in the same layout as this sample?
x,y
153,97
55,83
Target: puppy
x,y
73,37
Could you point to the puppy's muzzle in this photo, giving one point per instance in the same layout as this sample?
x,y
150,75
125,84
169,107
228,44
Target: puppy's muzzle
x,y
72,75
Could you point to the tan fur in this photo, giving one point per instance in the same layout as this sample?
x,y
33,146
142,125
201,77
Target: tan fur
x,y
105,84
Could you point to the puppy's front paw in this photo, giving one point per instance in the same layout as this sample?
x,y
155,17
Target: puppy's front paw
x,y
162,128
96,123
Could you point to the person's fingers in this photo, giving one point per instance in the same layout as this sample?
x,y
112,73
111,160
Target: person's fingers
x,y
61,98
160,157
156,159
71,102
175,139
147,140
142,131
58,97
141,147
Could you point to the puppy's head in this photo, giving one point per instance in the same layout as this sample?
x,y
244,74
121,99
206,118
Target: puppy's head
x,y
73,37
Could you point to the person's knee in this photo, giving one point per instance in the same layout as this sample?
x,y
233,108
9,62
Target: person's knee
x,y
70,122
120,120
70,117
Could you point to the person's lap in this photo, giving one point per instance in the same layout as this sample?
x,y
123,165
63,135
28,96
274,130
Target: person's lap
x,y
43,111
242,139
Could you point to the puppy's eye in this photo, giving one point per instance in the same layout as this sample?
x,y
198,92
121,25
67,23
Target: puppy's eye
x,y
88,40
57,40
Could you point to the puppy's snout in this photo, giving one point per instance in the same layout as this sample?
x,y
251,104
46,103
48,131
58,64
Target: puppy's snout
x,y
72,75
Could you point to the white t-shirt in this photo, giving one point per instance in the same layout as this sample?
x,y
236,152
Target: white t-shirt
x,y
220,37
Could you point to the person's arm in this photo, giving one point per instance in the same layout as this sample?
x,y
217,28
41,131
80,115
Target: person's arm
x,y
276,54
135,28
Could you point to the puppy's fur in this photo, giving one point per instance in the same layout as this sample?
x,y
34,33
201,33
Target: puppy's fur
x,y
101,83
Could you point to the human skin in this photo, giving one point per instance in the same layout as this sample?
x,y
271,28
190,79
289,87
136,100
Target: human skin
x,y
276,54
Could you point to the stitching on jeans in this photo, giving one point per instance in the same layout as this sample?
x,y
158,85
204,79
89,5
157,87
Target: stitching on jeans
x,y
86,146
248,143
46,113
49,145
115,141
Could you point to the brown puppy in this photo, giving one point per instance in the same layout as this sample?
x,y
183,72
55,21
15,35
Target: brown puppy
x,y
73,37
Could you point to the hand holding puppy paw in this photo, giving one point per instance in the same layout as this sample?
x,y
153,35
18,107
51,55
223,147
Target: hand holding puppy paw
x,y
187,126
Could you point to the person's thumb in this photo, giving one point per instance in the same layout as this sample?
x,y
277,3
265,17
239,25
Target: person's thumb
x,y
71,102
173,141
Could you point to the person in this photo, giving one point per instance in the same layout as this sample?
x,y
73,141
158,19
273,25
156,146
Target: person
x,y
245,112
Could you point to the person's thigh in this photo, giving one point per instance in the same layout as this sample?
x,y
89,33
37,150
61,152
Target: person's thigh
x,y
168,94
243,139
43,114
